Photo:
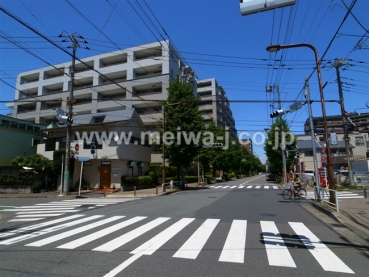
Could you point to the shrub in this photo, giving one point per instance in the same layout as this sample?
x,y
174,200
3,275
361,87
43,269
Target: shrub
x,y
37,186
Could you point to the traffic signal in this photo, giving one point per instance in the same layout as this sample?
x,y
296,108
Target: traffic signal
x,y
297,155
62,117
66,119
216,145
277,113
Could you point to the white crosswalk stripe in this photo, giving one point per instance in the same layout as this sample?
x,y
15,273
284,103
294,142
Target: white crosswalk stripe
x,y
233,250
242,187
340,195
58,208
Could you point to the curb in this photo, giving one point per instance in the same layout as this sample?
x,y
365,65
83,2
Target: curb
x,y
333,214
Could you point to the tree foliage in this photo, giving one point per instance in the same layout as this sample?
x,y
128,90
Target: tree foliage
x,y
185,116
274,138
37,162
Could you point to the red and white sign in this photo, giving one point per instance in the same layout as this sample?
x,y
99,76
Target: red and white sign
x,y
76,147
322,150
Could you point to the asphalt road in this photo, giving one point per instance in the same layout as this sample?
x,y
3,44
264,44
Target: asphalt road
x,y
207,232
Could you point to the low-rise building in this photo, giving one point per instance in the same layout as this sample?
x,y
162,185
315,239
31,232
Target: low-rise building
x,y
18,138
115,143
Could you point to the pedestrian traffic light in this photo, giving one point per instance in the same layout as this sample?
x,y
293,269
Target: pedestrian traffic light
x,y
93,149
297,155
278,113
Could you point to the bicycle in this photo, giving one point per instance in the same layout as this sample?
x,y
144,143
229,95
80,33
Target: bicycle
x,y
288,191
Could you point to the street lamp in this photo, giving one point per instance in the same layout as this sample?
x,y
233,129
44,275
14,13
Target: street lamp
x,y
163,144
277,47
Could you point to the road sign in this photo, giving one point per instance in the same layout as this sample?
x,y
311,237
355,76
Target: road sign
x,y
83,159
76,147
322,150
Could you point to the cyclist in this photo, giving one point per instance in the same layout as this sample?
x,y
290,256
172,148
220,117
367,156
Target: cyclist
x,y
296,183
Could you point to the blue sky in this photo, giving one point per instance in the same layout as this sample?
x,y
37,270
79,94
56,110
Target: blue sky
x,y
214,39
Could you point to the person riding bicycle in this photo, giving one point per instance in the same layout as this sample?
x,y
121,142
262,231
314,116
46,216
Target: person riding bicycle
x,y
296,182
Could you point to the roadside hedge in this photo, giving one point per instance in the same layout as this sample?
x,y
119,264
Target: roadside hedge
x,y
23,178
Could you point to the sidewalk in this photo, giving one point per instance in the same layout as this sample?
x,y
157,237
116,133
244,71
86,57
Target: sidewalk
x,y
109,193
353,213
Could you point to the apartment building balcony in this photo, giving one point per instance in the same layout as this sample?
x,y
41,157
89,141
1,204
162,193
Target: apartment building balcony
x,y
26,108
148,53
147,71
54,73
31,78
51,105
113,60
111,78
27,94
52,89
82,67
83,83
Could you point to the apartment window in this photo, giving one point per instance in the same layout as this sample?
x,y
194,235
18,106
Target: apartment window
x,y
359,141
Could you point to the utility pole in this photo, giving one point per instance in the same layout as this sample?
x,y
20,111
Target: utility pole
x,y
337,64
312,135
70,101
283,143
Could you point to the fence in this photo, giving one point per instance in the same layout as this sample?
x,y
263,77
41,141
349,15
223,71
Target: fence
x,y
172,184
322,193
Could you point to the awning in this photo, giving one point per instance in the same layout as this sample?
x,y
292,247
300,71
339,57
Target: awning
x,y
140,164
131,163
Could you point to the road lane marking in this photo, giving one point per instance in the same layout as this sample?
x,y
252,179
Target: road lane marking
x,y
37,226
149,247
48,230
234,247
192,247
277,252
266,187
104,232
249,187
257,187
119,241
324,256
73,232
122,266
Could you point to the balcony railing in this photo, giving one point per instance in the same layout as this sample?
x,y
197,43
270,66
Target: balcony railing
x,y
147,92
107,82
55,91
26,110
112,97
149,57
147,75
82,87
111,64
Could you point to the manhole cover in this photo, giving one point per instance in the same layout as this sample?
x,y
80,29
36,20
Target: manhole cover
x,y
266,214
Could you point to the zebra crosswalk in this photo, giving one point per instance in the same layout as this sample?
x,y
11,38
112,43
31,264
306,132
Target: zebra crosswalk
x,y
242,186
340,195
57,208
108,231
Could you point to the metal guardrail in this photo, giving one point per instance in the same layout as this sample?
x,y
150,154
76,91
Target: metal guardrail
x,y
172,184
323,193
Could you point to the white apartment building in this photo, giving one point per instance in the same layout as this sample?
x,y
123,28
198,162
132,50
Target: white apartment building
x,y
133,78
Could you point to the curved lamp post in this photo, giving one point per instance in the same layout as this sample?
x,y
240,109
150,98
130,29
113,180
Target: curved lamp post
x,y
277,47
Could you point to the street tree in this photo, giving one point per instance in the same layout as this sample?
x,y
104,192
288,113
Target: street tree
x,y
272,146
182,120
